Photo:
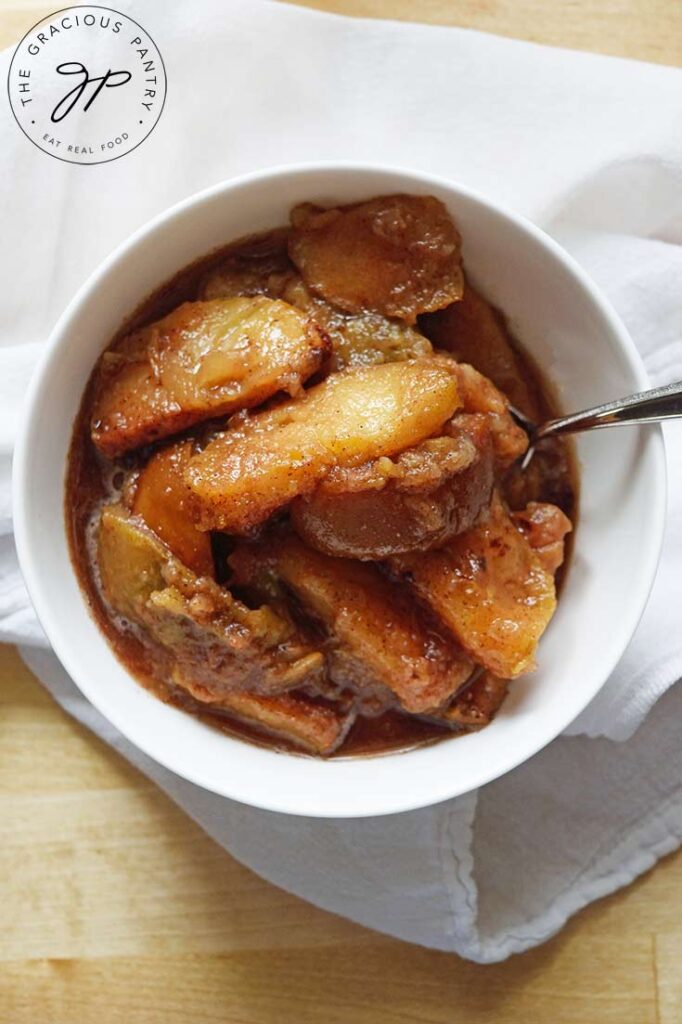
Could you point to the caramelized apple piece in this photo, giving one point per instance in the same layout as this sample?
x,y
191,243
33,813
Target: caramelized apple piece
x,y
475,333
414,502
162,498
316,727
247,473
220,647
490,588
380,639
478,703
479,395
215,643
131,562
420,468
358,339
545,527
204,359
396,255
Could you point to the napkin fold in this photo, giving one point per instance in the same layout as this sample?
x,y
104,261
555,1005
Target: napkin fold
x,y
589,148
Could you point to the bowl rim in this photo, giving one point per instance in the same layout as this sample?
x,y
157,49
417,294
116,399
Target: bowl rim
x,y
648,559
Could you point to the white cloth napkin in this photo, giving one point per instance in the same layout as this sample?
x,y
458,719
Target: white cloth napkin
x,y
588,147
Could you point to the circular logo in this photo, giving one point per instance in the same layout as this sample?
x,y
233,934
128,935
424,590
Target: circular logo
x,y
87,84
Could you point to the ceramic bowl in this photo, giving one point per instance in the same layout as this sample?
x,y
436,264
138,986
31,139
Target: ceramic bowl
x,y
583,349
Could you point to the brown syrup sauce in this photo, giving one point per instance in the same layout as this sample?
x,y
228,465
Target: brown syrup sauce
x,y
92,481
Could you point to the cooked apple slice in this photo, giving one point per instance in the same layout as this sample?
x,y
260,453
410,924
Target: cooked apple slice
x,y
396,255
204,359
479,395
247,473
162,498
476,333
220,647
358,339
490,589
131,562
216,644
380,640
545,527
414,502
317,727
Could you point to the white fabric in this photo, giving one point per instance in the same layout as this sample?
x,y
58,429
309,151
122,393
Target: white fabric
x,y
588,147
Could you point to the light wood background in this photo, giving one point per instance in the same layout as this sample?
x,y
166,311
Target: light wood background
x,y
114,907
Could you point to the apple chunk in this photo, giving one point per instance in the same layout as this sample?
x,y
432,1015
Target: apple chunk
x,y
380,641
204,359
414,502
396,255
490,588
480,396
163,500
358,339
316,727
214,644
247,473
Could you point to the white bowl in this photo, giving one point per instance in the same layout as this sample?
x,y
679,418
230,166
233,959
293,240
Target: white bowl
x,y
576,338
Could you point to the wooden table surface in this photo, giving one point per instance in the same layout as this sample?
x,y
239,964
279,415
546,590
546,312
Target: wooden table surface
x,y
114,907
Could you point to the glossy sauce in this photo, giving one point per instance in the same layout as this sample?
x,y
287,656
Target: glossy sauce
x,y
92,481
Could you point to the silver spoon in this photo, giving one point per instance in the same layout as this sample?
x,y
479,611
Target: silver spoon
x,y
664,403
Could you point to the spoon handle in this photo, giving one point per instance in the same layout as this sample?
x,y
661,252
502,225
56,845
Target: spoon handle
x,y
664,403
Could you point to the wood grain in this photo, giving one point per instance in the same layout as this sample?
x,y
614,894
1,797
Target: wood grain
x,y
115,907
643,29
